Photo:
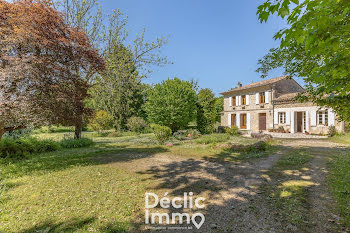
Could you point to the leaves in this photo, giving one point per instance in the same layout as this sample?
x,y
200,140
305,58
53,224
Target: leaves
x,y
316,46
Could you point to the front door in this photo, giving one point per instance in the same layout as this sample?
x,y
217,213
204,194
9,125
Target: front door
x,y
262,121
299,122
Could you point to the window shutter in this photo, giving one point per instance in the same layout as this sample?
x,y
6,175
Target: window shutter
x,y
287,118
229,120
247,99
313,119
292,124
266,97
275,118
230,99
248,121
239,100
331,118
257,98
238,120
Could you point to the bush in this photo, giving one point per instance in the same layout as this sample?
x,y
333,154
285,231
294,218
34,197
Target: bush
x,y
162,133
281,129
20,133
102,120
232,131
114,134
136,124
186,134
213,138
332,131
260,146
23,147
76,143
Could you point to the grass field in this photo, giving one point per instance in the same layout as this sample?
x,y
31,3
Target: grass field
x,y
69,190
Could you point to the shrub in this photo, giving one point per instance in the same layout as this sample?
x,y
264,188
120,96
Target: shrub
x,y
281,129
76,143
212,138
136,124
256,147
18,133
186,134
232,131
162,133
332,131
102,120
114,134
23,147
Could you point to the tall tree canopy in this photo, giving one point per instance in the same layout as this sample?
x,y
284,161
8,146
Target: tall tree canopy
x,y
41,57
206,111
171,103
119,90
315,45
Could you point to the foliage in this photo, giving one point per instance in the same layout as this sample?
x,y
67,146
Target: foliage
x,y
339,181
206,112
332,131
101,121
233,130
260,146
76,143
23,147
171,103
212,138
20,133
54,129
186,134
162,133
314,45
114,134
136,124
119,90
46,59
219,107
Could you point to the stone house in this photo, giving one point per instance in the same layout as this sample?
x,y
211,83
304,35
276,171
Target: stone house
x,y
271,104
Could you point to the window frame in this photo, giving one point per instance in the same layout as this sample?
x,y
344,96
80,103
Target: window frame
x,y
243,121
322,117
244,99
282,118
262,97
234,119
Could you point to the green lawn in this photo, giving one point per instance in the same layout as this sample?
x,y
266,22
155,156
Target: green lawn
x,y
339,180
70,190
344,139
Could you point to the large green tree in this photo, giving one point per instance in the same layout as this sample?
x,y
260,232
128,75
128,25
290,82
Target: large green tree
x,y
171,103
314,45
206,111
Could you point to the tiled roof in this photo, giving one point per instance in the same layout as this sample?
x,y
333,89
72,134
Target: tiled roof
x,y
257,84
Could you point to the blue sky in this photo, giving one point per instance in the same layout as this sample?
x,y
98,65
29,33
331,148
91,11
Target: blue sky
x,y
217,43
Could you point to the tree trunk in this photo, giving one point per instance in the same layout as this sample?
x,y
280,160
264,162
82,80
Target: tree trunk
x,y
78,129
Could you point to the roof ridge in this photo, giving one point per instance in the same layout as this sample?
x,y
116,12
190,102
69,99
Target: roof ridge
x,y
260,83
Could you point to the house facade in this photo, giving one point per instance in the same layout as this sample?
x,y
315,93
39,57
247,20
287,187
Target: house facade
x,y
271,104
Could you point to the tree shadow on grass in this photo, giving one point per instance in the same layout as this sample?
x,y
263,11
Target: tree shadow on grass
x,y
67,226
68,158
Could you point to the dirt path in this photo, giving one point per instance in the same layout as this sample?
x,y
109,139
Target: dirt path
x,y
233,202
323,214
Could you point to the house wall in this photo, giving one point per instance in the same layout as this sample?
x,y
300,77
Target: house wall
x,y
252,108
310,111
286,86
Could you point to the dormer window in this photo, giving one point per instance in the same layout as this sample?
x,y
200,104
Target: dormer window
x,y
262,97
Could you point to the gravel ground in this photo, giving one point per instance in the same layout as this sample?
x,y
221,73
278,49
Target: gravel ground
x,y
233,202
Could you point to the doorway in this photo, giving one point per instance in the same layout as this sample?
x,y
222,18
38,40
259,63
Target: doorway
x,y
299,122
262,121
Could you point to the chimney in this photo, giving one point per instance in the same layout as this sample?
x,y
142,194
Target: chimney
x,y
239,84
